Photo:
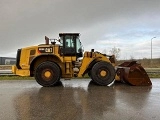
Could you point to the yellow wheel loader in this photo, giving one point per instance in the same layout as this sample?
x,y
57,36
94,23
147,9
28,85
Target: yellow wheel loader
x,y
57,59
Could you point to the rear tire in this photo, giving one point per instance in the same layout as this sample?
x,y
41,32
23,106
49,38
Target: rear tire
x,y
103,73
47,74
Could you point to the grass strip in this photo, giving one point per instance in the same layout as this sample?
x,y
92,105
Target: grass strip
x,y
11,77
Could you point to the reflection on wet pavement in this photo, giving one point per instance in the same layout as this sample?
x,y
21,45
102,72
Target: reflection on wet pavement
x,y
82,100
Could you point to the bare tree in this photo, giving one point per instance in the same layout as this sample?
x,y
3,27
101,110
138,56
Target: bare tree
x,y
104,51
131,57
115,51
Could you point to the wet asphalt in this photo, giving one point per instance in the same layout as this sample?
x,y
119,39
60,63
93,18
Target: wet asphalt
x,y
78,99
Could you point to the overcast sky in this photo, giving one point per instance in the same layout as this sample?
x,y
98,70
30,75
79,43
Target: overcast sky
x,y
103,24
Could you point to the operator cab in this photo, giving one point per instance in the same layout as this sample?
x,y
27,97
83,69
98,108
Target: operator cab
x,y
70,44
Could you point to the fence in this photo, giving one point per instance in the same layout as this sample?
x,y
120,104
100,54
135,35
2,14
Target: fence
x,y
6,70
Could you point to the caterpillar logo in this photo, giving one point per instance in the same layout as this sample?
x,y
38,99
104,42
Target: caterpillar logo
x,y
45,50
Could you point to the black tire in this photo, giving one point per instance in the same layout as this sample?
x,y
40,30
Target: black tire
x,y
103,73
47,74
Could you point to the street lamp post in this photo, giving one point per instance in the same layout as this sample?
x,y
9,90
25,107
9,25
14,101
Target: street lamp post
x,y
151,47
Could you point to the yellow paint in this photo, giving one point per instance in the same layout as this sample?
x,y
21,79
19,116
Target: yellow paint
x,y
14,68
117,78
21,72
65,62
88,58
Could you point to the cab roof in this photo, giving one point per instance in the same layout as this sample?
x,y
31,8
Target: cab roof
x,y
62,34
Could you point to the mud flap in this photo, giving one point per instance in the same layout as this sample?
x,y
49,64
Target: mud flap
x,y
133,74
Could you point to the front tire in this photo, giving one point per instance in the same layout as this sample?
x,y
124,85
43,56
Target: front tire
x,y
47,74
103,73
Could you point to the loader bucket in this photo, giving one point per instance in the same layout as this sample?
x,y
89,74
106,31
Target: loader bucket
x,y
133,74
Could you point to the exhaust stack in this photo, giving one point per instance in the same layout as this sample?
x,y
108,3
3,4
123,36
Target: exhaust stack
x,y
46,40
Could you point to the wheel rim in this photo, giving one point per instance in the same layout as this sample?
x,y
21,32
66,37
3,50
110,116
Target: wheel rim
x,y
103,73
47,74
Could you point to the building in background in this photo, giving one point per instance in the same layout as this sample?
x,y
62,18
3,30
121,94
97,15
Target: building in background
x,y
7,61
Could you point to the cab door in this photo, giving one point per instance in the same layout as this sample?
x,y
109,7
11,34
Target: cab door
x,y
69,45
